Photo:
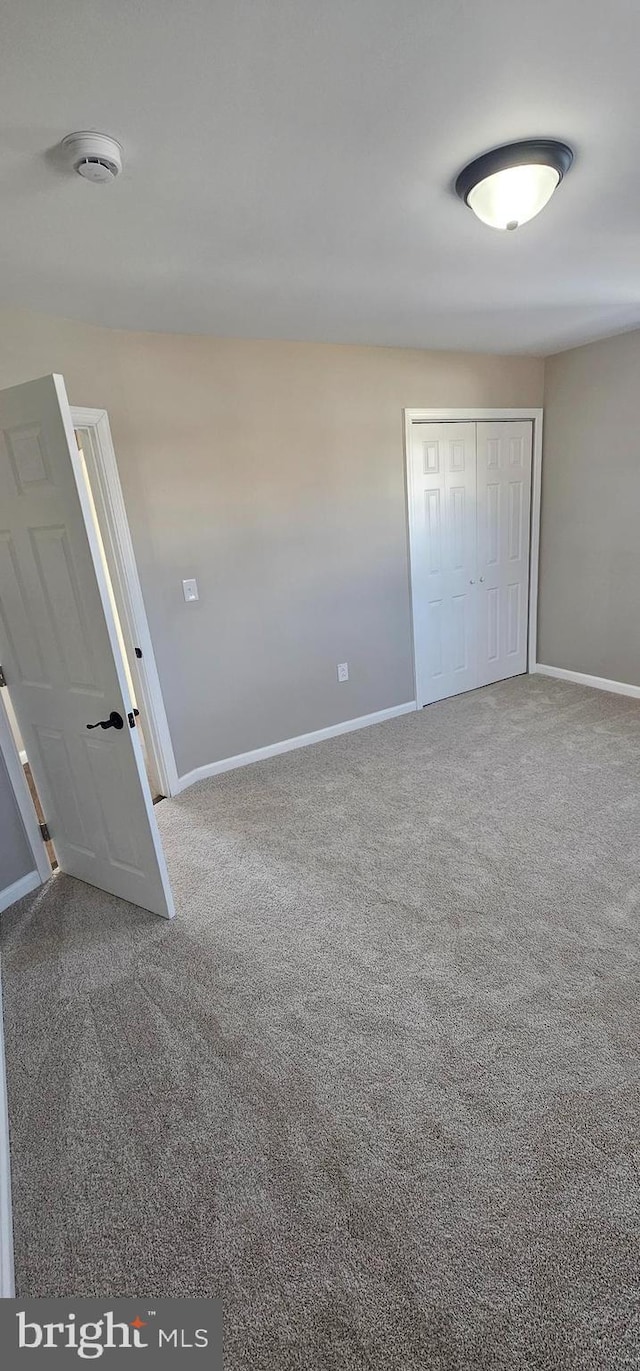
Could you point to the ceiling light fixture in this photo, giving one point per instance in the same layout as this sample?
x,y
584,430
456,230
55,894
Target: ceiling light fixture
x,y
507,187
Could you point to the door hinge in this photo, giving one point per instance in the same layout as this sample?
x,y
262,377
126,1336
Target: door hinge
x,y
44,833
132,716
138,651
2,679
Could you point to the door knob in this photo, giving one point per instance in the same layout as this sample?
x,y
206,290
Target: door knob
x,y
482,578
115,720
471,583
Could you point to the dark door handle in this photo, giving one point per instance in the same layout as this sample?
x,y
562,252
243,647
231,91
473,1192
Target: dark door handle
x,y
115,720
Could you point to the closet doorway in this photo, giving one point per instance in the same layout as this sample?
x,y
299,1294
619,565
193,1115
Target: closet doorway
x,y
473,481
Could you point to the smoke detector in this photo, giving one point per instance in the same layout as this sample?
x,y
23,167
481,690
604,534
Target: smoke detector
x,y
93,155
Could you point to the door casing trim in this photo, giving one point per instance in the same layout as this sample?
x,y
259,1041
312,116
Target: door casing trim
x,y
7,1285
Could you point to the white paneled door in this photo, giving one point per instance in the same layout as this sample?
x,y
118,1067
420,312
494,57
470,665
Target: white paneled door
x,y
61,657
504,515
470,497
444,479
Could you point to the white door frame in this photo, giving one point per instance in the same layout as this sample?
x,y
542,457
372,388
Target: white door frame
x,y
7,1286
439,416
105,484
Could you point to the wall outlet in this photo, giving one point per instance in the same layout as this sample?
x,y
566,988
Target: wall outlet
x,y
343,671
190,590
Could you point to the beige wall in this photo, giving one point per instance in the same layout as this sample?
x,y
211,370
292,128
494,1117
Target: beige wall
x,y
273,472
590,535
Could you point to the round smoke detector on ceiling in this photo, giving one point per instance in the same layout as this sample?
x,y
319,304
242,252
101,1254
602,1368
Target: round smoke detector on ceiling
x,y
93,155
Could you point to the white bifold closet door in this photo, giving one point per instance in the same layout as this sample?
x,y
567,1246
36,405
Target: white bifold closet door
x,y
503,523
470,537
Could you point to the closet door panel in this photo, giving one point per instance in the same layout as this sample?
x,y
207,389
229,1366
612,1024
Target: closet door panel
x,y
504,451
443,475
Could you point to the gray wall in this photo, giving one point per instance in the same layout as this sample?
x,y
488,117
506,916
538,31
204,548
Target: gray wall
x,y
274,473
590,534
16,859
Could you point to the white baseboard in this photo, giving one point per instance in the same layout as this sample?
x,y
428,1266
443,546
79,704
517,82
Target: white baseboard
x,y
581,678
6,1226
260,754
19,888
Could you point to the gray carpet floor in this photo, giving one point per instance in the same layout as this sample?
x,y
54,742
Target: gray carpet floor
x,y
378,1086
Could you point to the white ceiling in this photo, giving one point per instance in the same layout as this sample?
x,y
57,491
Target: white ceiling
x,y
289,167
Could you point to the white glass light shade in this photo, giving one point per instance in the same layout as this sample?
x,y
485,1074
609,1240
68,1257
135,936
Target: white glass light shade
x,y
511,197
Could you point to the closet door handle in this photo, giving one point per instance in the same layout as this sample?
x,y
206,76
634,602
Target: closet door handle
x,y
482,578
471,583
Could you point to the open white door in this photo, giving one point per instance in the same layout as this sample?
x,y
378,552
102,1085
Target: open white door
x,y
61,658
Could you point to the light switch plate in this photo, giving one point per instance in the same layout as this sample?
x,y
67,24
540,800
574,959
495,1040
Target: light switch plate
x,y
190,590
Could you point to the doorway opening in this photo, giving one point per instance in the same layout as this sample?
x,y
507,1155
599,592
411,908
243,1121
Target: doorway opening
x,y
150,763
150,768
29,778
100,469
93,441
37,804
64,671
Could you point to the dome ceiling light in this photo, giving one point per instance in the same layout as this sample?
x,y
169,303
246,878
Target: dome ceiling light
x,y
510,185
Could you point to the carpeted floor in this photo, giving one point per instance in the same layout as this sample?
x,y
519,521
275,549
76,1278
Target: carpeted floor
x,y
379,1084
